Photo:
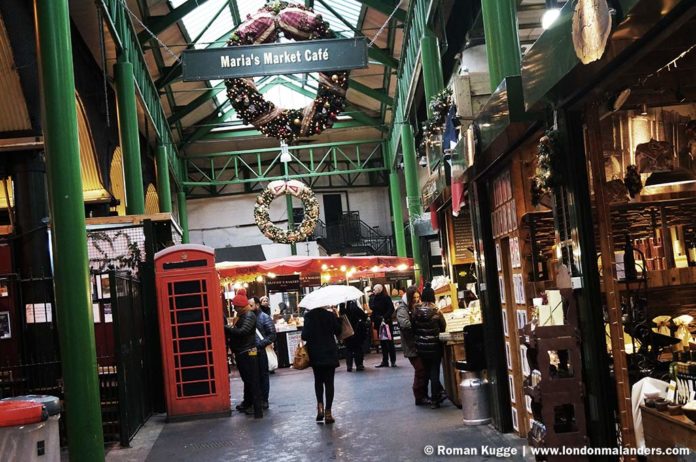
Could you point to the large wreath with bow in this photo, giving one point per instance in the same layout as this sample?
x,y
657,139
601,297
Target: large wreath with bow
x,y
300,23
280,188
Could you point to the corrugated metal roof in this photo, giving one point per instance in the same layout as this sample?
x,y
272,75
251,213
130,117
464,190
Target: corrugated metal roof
x,y
92,186
14,115
151,200
118,182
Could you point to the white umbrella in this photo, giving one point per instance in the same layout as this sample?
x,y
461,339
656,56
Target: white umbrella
x,y
330,296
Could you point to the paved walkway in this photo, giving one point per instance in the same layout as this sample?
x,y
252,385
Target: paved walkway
x,y
376,420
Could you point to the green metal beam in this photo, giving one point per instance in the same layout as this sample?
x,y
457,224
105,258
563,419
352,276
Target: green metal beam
x,y
129,135
373,52
281,176
203,98
125,38
68,238
234,10
502,39
386,7
158,24
413,204
164,192
183,216
379,95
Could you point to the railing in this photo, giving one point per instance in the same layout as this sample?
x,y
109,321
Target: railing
x,y
351,233
418,16
127,42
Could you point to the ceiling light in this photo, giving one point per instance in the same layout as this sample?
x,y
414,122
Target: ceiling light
x,y
284,152
551,14
643,109
423,162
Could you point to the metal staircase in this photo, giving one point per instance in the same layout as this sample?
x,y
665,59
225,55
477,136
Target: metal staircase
x,y
352,236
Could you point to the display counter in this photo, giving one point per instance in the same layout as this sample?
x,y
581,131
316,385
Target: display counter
x,y
662,430
285,344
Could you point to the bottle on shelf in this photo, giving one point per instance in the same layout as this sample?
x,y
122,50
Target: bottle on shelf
x,y
629,260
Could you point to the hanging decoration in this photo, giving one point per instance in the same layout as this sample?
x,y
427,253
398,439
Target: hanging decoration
x,y
548,169
633,182
591,29
295,22
440,105
281,188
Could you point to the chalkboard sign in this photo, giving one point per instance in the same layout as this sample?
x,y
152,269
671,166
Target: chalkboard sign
x,y
463,238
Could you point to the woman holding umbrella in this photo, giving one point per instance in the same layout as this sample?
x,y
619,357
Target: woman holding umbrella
x,y
321,325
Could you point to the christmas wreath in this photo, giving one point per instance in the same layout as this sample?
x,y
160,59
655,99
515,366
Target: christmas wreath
x,y
547,175
300,23
279,188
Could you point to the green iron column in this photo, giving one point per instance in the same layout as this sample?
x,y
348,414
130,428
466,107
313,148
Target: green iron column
x,y
502,39
130,137
397,214
71,271
183,217
395,199
412,195
433,82
164,192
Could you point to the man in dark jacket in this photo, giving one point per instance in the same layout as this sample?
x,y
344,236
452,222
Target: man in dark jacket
x,y
242,337
265,335
383,311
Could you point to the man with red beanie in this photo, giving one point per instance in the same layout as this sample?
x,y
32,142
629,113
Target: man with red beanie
x,y
242,338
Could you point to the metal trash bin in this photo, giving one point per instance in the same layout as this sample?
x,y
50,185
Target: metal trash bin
x,y
29,428
473,391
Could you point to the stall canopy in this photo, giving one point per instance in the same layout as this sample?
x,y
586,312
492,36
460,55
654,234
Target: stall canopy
x,y
355,266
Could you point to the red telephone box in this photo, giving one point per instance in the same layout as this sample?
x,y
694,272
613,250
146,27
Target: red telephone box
x,y
191,331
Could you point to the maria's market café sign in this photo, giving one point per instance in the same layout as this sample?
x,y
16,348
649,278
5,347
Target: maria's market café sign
x,y
274,59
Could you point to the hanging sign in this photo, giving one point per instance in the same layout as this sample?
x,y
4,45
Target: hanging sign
x,y
290,283
275,59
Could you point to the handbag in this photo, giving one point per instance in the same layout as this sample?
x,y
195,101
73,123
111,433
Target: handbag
x,y
301,359
270,354
346,328
384,332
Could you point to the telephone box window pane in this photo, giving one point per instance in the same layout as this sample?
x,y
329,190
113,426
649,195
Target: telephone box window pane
x,y
195,374
190,346
194,389
190,316
192,359
194,330
187,287
188,301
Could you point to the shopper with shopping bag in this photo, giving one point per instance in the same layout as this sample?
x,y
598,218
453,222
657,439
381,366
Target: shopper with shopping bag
x,y
356,319
382,313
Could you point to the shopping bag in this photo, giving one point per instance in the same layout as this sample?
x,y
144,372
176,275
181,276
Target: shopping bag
x,y
301,359
346,328
272,358
384,332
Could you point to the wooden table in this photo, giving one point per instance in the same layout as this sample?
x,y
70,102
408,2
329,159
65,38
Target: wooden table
x,y
662,430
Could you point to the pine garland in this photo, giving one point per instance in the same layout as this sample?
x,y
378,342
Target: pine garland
x,y
547,175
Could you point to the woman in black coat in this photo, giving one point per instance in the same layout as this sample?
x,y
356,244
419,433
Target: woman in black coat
x,y
354,343
321,326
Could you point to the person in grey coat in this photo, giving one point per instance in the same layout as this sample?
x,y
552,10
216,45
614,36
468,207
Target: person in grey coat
x,y
404,314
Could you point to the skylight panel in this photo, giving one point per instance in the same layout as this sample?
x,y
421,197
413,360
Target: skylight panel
x,y
347,9
197,20
221,26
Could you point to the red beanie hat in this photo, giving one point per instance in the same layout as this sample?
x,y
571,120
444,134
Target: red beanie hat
x,y
240,299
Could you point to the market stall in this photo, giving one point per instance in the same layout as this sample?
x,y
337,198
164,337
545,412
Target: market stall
x,y
287,280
